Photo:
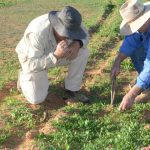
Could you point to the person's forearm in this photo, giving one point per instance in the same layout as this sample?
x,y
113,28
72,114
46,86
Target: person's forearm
x,y
135,91
116,66
120,58
39,64
129,98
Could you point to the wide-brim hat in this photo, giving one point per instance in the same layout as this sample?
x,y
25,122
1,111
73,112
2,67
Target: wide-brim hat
x,y
134,15
67,23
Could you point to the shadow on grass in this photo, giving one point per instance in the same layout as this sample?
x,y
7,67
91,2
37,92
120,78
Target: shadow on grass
x,y
102,92
108,10
99,92
103,50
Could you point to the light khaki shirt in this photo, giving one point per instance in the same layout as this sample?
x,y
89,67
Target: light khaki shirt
x,y
35,49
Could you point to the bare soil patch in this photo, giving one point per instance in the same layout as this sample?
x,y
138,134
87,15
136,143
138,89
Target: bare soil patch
x,y
5,91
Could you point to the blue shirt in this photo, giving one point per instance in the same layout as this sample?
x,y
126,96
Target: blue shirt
x,y
130,45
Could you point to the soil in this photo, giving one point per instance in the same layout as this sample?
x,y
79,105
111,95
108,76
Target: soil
x,y
6,90
147,115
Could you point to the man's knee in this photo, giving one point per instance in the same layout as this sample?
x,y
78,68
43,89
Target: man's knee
x,y
34,86
36,99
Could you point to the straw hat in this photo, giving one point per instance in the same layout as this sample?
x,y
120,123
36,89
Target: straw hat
x,y
134,14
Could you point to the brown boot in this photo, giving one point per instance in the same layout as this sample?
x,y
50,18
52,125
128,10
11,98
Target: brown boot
x,y
144,97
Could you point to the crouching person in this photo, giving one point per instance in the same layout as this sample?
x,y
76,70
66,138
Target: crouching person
x,y
136,45
54,39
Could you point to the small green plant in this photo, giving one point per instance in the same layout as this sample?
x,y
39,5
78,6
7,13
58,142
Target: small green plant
x,y
93,127
20,114
3,136
127,65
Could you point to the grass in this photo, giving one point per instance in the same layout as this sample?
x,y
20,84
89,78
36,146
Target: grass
x,y
83,127
9,69
8,3
15,115
127,65
20,114
92,127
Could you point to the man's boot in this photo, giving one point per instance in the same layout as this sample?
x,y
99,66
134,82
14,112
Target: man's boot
x,y
76,97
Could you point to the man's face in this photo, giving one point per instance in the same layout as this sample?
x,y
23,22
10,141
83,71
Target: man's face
x,y
145,27
59,37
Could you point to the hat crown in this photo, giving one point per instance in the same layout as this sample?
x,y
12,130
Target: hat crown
x,y
70,18
131,10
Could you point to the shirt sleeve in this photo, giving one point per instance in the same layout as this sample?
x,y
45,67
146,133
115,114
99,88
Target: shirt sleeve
x,y
130,44
37,60
143,80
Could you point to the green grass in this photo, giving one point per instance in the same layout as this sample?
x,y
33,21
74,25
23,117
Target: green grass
x,y
92,127
127,65
18,119
85,127
9,67
20,114
8,3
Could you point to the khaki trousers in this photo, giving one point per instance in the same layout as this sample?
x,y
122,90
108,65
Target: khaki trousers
x,y
34,86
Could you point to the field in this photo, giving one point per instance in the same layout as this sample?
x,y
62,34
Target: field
x,y
54,125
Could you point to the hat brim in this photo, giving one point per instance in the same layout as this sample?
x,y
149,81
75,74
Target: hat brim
x,y
62,30
132,27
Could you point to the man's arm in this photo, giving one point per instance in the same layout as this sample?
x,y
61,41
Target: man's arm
x,y
116,66
129,46
129,98
36,59
143,80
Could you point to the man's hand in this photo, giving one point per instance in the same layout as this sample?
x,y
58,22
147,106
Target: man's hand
x,y
61,49
116,66
127,102
115,70
72,51
129,98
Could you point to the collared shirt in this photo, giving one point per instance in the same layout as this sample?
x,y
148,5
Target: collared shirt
x,y
35,49
132,43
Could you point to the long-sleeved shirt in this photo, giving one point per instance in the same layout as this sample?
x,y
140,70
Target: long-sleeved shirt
x,y
130,45
35,49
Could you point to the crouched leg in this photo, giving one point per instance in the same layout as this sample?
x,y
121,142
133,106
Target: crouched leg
x,y
34,86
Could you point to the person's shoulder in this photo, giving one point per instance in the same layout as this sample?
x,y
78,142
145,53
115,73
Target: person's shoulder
x,y
134,35
38,24
39,19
